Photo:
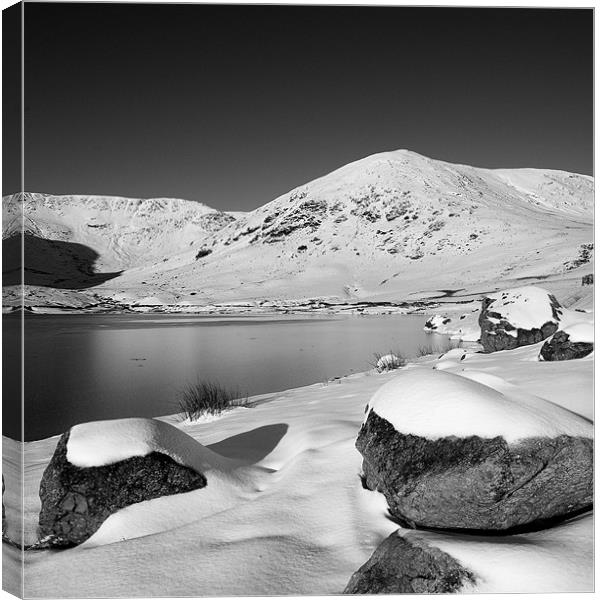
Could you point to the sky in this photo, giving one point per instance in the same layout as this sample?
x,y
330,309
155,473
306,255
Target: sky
x,y
235,105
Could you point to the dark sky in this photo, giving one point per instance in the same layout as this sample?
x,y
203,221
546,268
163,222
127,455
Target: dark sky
x,y
234,105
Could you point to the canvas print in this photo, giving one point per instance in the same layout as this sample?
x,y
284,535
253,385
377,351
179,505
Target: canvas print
x,y
297,300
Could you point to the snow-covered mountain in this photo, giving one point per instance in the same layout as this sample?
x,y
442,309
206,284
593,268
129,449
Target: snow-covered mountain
x,y
392,226
125,232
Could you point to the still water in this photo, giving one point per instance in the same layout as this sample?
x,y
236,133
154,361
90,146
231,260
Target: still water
x,y
88,367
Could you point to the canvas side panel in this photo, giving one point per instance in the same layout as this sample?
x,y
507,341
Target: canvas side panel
x,y
12,219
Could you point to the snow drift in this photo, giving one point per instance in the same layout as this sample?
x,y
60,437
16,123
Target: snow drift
x,y
436,404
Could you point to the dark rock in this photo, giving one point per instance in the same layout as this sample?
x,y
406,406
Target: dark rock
x,y
560,347
76,500
409,566
476,483
499,334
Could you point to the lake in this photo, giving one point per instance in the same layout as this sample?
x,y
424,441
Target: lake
x,y
87,367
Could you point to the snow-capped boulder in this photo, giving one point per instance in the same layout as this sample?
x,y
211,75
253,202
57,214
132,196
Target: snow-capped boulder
x,y
450,452
517,317
553,560
101,467
402,565
576,341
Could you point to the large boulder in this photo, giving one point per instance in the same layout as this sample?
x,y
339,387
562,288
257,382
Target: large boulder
x,y
572,342
99,468
402,565
517,317
449,452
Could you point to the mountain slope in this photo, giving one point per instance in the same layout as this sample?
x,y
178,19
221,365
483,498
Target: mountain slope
x,y
76,242
392,226
125,232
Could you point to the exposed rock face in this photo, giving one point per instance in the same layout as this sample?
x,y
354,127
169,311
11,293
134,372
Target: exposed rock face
x,y
402,565
560,347
76,501
500,330
473,482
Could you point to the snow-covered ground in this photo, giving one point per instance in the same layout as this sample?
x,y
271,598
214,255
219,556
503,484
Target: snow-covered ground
x,y
287,514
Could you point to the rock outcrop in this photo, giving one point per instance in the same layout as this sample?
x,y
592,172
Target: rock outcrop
x,y
76,501
517,317
476,483
561,347
448,452
408,565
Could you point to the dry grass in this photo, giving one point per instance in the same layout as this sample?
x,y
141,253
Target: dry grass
x,y
207,397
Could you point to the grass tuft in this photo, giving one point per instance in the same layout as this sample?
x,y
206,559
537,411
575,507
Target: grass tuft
x,y
207,397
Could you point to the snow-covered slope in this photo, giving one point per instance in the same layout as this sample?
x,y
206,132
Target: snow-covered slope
x,y
384,227
381,228
124,232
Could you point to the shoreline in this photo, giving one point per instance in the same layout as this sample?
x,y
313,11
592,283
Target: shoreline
x,y
249,309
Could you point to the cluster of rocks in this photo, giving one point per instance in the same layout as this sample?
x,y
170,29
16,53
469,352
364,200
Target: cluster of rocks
x,y
501,330
463,484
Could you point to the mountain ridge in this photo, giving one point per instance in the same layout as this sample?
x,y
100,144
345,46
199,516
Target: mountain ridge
x,y
385,226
